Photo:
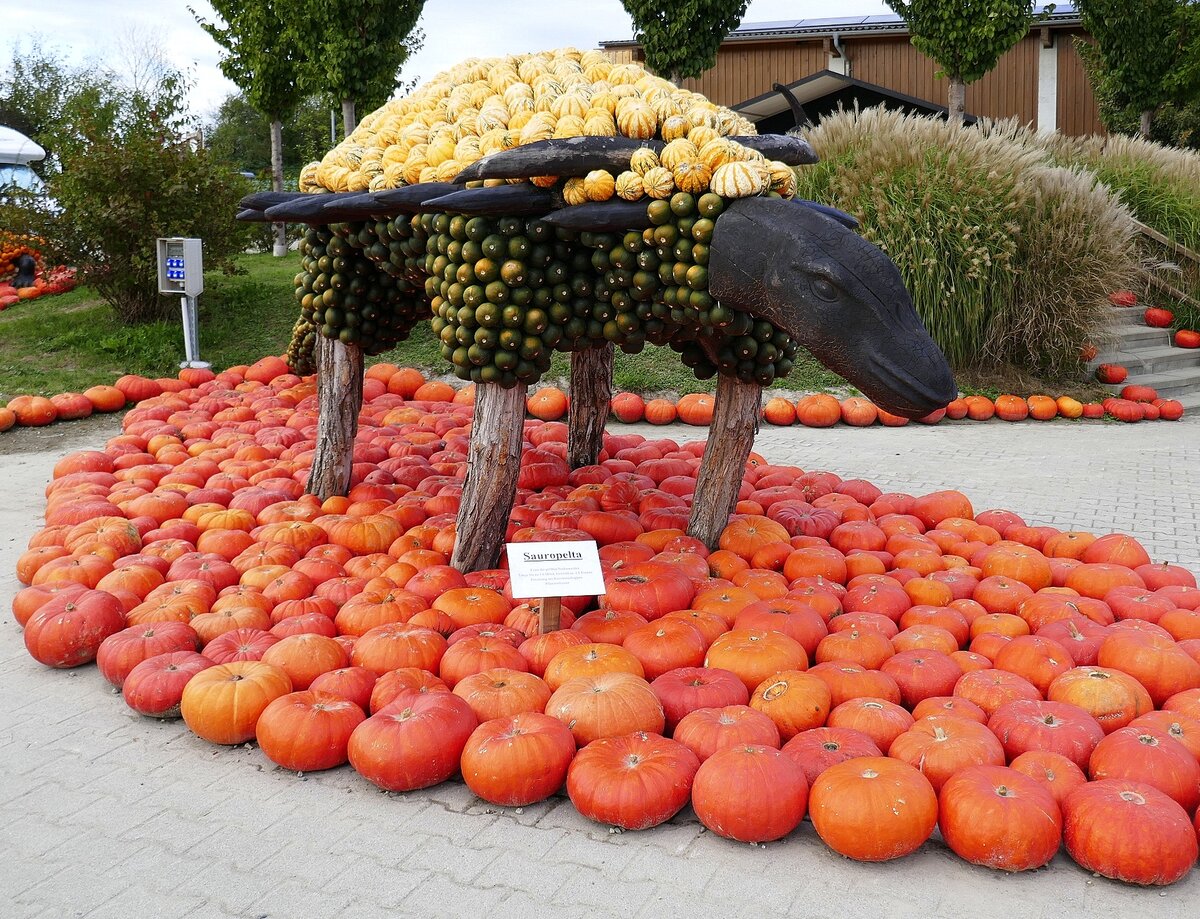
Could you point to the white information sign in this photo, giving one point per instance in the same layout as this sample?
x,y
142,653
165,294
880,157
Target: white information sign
x,y
554,569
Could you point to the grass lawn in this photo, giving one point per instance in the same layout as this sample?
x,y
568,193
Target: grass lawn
x,y
72,341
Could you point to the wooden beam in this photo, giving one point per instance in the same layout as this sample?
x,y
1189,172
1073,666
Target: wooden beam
x,y
1155,281
1167,241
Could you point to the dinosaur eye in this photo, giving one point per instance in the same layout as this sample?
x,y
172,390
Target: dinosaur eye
x,y
824,289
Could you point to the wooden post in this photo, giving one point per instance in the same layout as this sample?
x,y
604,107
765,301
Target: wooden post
x,y
591,395
493,467
550,614
730,437
339,398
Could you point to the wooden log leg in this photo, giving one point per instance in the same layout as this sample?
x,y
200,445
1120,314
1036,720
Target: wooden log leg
x,y
493,467
339,397
591,394
730,437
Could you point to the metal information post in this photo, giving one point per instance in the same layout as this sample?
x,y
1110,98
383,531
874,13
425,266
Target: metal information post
x,y
181,271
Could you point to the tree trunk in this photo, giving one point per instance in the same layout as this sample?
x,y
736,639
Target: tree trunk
x,y
730,437
956,101
493,466
339,398
279,250
591,394
1145,122
349,122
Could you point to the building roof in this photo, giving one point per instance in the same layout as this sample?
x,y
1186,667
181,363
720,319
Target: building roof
x,y
825,91
1064,15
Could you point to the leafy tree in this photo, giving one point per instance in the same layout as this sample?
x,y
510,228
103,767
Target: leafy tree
x,y
35,87
1146,54
966,37
357,49
681,39
264,56
126,171
239,135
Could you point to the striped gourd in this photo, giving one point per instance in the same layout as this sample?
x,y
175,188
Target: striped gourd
x,y
629,186
636,119
599,185
738,180
677,152
692,176
658,182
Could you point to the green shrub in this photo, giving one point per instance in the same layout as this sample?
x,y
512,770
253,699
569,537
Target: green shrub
x,y
127,171
1008,256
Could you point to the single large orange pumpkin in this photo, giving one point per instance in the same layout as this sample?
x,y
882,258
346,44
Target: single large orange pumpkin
x,y
999,818
634,781
771,800
1129,831
606,705
517,760
222,704
307,731
873,808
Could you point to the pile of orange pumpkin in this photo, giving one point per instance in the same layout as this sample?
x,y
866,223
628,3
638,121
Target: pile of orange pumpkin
x,y
883,663
57,280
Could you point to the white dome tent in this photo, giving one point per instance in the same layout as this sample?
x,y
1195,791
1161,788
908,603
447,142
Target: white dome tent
x,y
17,149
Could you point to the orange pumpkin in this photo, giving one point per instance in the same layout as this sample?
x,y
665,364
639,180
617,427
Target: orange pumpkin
x,y
873,808
547,404
589,660
696,409
795,701
222,704
942,745
755,655
818,410
305,657
502,693
606,705
660,411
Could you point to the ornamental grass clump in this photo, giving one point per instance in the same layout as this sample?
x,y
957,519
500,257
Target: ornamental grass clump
x,y
1008,256
1160,184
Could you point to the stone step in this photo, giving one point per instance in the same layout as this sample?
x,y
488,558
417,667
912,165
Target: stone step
x,y
1131,337
1151,360
1191,402
1170,384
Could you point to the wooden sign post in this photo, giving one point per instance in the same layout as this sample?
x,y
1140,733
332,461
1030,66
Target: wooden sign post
x,y
550,614
551,571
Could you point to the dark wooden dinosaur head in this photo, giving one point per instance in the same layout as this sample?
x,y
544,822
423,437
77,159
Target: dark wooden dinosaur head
x,y
837,294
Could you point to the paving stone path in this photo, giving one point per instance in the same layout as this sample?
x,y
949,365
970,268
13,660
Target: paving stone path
x,y
105,814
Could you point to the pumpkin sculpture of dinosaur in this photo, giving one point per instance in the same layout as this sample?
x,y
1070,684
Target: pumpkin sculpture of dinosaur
x,y
561,202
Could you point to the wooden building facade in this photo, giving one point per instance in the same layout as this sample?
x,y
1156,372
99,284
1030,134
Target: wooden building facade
x,y
1041,80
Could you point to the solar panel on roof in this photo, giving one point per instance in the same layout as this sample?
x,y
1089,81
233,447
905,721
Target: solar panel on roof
x,y
768,26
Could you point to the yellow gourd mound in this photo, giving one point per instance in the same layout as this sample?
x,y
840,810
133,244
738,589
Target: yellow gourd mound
x,y
483,106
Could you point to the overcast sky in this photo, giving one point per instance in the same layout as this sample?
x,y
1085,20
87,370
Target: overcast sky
x,y
95,29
